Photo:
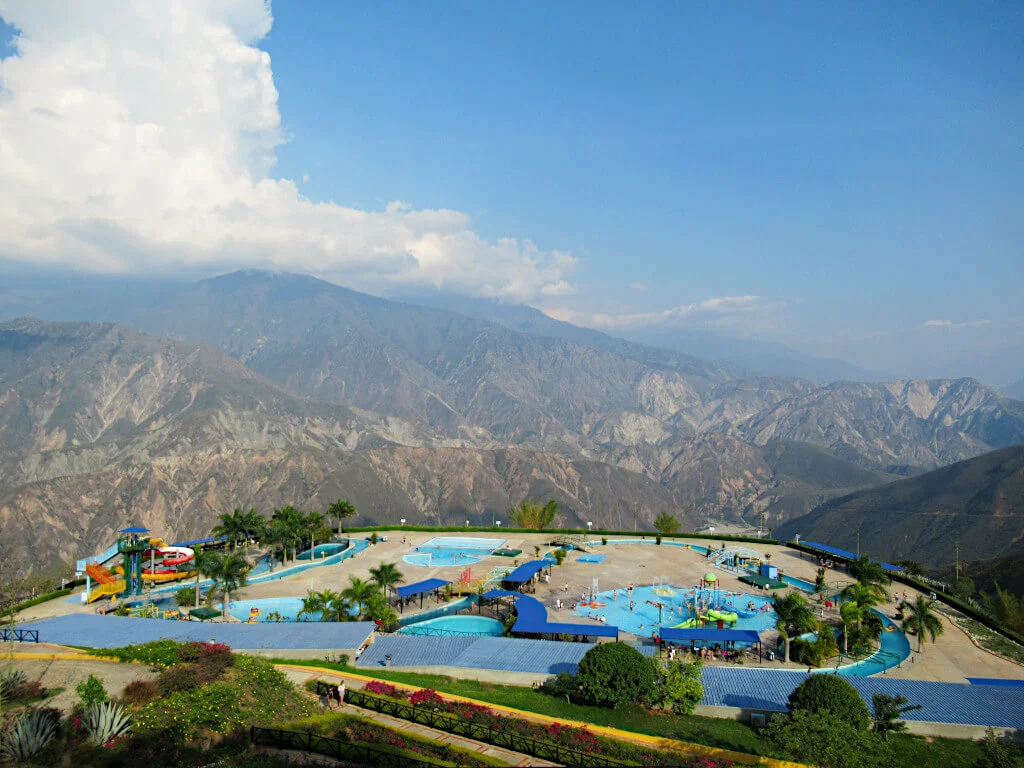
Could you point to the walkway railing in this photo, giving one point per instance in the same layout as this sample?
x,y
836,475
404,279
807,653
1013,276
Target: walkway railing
x,y
441,632
19,635
489,734
347,751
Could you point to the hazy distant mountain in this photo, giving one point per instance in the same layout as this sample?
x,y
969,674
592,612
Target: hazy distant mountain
x,y
353,374
744,355
978,502
1015,390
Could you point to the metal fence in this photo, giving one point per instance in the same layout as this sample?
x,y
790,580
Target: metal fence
x,y
347,751
19,635
489,734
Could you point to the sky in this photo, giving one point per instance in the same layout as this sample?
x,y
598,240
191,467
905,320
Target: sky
x,y
845,180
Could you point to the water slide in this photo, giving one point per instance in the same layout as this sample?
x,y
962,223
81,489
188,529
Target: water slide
x,y
163,562
729,617
109,584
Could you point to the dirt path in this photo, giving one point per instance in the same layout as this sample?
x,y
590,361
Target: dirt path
x,y
60,673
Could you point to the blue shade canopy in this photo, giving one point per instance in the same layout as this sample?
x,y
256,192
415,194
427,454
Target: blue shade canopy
x,y
134,530
526,571
825,548
428,585
532,617
709,635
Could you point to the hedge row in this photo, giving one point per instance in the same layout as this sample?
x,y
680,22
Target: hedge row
x,y
37,600
596,533
951,600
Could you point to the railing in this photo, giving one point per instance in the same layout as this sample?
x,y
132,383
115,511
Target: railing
x,y
19,635
347,751
489,734
441,632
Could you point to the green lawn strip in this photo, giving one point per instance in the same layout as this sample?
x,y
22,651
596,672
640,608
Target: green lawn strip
x,y
709,731
17,607
343,725
992,641
935,753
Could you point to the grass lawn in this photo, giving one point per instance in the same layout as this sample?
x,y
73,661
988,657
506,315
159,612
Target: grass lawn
x,y
993,641
909,751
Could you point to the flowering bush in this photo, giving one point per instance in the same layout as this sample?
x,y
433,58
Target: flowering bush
x,y
425,697
383,689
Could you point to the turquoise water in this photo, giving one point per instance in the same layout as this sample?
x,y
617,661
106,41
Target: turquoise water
x,y
803,584
444,610
664,543
677,608
322,550
288,607
456,626
448,551
894,650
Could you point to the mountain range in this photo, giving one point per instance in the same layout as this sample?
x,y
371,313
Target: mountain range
x,y
255,389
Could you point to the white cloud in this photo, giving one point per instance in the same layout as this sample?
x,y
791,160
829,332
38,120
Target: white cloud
x,y
739,313
139,137
641,287
956,326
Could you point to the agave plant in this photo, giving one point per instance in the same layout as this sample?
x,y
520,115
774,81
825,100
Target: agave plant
x,y
10,679
105,722
30,735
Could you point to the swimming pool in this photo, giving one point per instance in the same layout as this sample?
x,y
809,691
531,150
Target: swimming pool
x,y
287,607
894,650
664,543
676,608
446,551
323,550
466,626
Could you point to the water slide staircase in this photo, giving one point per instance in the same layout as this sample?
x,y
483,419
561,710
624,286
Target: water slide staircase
x,y
108,583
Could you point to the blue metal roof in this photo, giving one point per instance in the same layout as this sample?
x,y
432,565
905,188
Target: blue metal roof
x,y
847,555
134,530
491,594
526,571
709,635
428,585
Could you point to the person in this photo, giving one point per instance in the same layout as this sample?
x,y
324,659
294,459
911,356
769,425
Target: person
x,y
547,578
403,539
602,619
631,605
565,587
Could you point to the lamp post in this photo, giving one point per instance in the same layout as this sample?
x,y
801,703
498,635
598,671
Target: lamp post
x,y
499,523
403,521
590,526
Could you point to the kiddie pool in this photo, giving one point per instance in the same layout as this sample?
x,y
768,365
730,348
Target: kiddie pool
x,y
481,626
446,551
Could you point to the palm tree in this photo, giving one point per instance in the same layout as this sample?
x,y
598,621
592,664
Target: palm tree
x,y
315,526
330,605
795,616
850,615
288,525
227,572
231,526
386,576
254,525
865,594
341,509
534,516
923,620
360,592
866,570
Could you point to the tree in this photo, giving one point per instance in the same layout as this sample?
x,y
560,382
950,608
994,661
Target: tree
x,y
868,571
185,596
865,594
887,712
613,674
227,571
1006,608
359,593
328,604
231,526
830,695
533,516
850,615
559,556
287,526
923,620
795,616
964,587
682,685
666,523
341,510
819,580
912,567
314,525
254,525
386,576
822,739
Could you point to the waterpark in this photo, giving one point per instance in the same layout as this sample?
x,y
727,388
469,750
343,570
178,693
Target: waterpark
x,y
522,606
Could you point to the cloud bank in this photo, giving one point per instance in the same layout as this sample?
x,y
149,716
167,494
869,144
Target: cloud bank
x,y
140,137
950,325
736,313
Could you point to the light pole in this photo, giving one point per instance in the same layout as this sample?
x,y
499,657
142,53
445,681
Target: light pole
x,y
499,523
403,521
590,526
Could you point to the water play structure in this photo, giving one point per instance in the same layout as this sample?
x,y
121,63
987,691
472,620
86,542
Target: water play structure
x,y
134,559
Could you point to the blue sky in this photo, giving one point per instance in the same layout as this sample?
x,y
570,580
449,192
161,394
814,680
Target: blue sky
x,y
859,170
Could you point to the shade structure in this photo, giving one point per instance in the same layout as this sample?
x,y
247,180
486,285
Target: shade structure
x,y
197,542
762,581
532,618
526,571
846,555
427,585
709,635
135,529
204,614
709,577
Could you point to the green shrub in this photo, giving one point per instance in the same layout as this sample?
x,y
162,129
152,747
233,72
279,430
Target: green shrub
x,y
561,686
813,653
141,691
91,691
37,600
825,739
614,674
682,686
185,597
159,653
831,695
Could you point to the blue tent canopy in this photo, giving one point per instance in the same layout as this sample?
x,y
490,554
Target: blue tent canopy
x,y
526,571
429,585
836,552
134,530
709,635
532,618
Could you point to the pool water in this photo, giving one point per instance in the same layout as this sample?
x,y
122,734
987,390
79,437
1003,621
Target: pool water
x,y
677,607
481,626
323,550
447,551
288,607
894,650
